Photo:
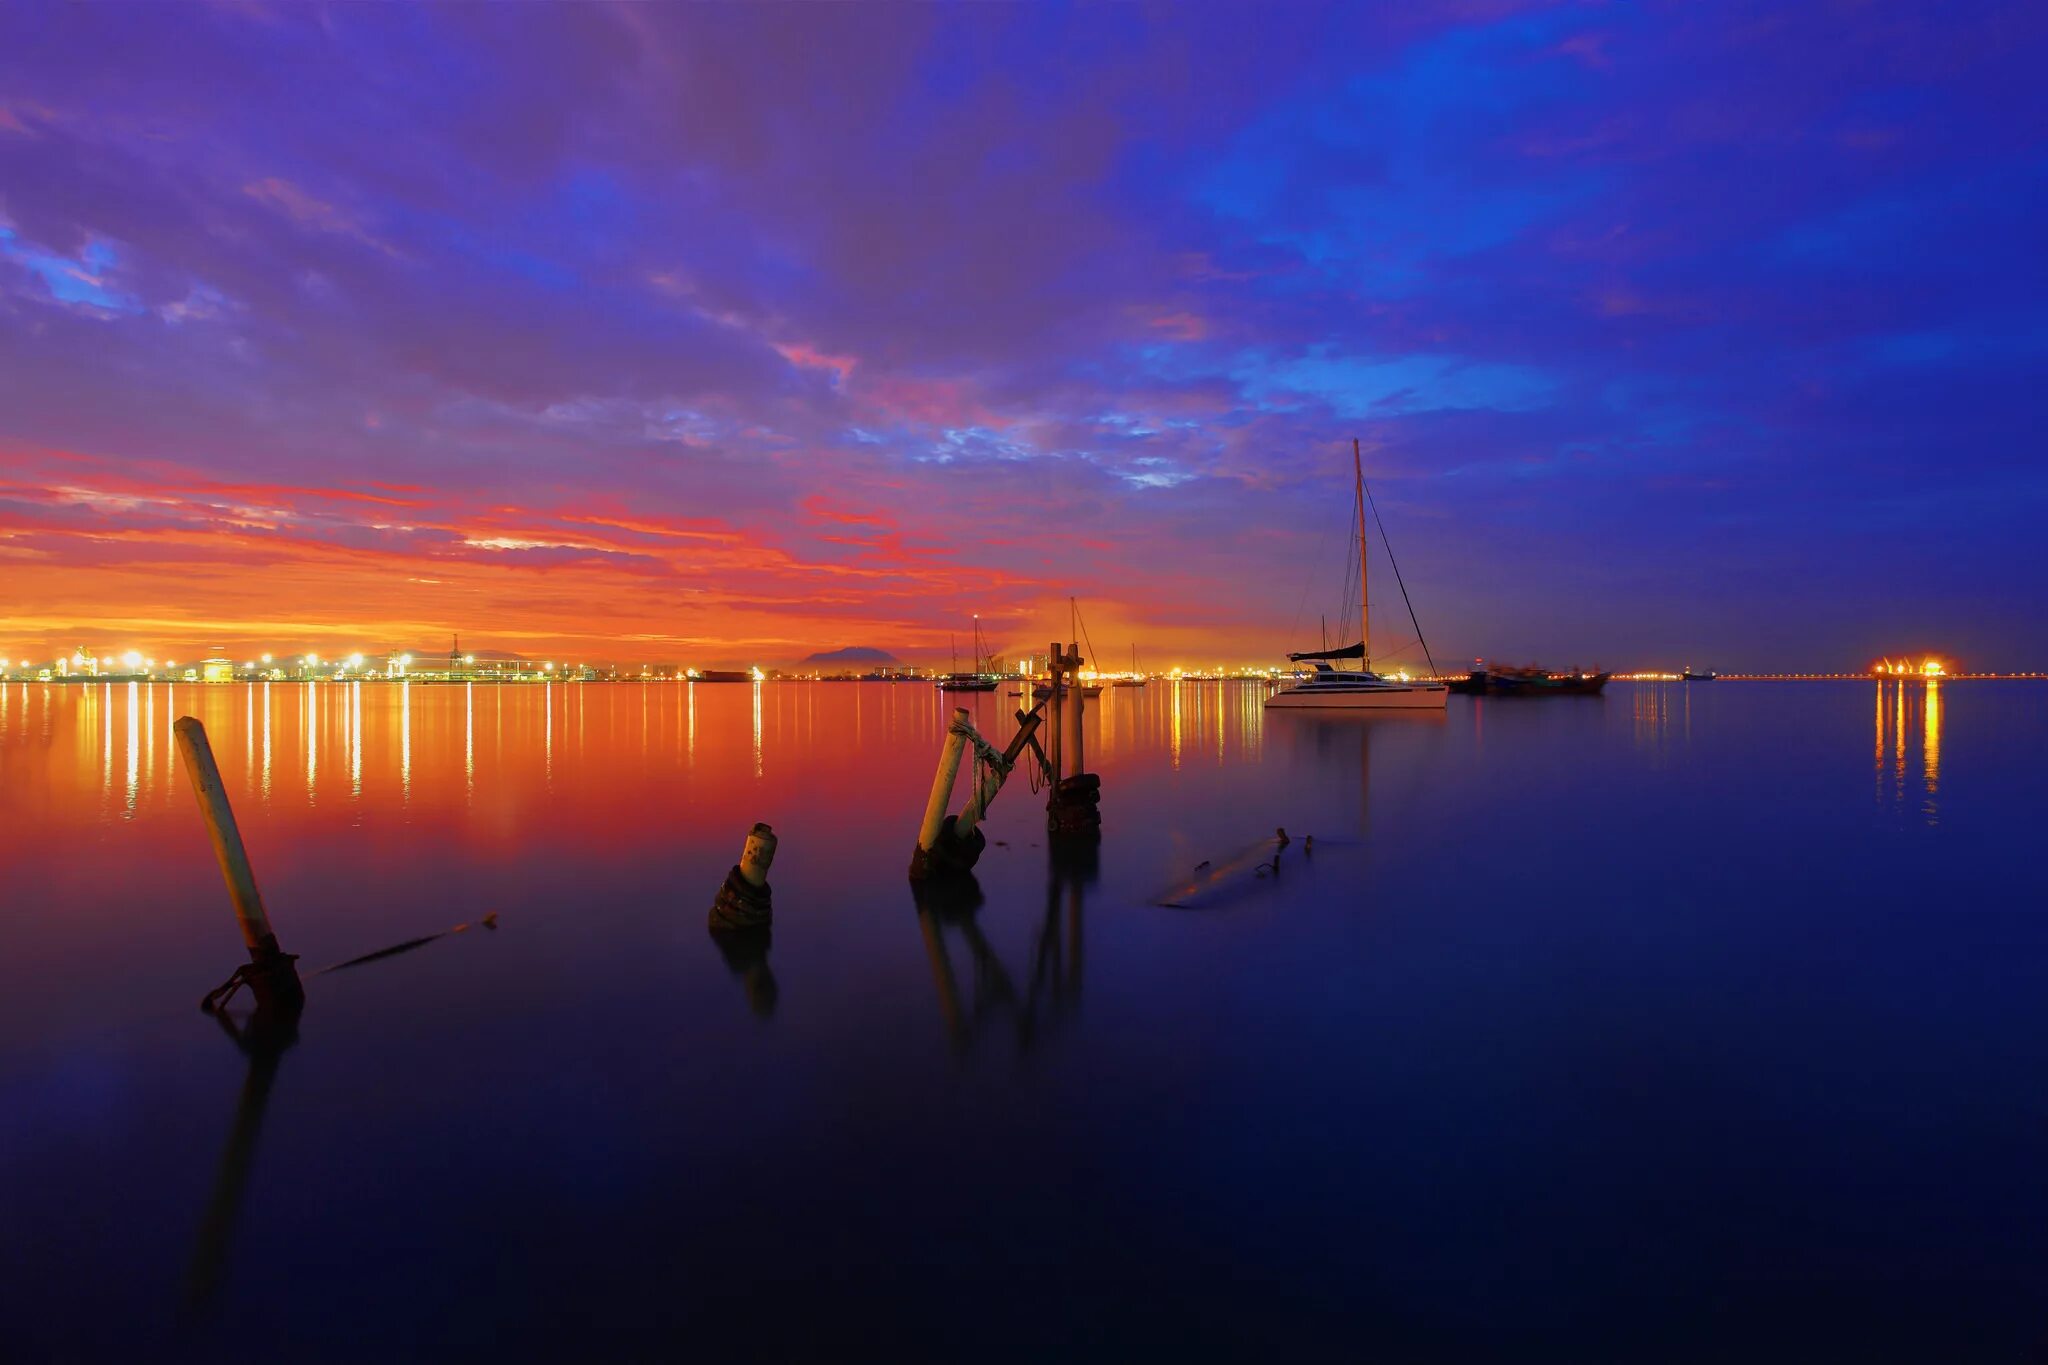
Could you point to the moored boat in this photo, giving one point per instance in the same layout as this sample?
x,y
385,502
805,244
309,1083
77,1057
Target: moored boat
x,y
1329,688
1699,675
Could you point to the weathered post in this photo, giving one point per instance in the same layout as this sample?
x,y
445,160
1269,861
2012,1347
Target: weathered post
x,y
992,778
1055,660
746,901
1074,736
937,847
1070,806
269,973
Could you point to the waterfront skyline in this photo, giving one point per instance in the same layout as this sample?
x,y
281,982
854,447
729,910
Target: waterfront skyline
x,y
1672,336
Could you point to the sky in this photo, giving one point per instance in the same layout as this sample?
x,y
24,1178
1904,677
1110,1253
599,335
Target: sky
x,y
1671,333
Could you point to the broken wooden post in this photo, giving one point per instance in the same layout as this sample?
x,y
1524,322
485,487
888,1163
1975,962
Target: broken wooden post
x,y
746,901
1071,803
269,973
993,775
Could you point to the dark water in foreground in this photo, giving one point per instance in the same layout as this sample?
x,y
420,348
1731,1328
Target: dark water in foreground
x,y
1691,1023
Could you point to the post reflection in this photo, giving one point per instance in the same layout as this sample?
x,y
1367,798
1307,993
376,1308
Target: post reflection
x,y
951,910
264,1040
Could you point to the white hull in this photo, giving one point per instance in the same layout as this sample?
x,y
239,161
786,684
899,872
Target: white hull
x,y
1417,698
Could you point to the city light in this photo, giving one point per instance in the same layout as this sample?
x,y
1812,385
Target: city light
x,y
132,659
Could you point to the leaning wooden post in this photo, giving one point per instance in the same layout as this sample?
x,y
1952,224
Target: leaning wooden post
x,y
270,975
942,781
992,780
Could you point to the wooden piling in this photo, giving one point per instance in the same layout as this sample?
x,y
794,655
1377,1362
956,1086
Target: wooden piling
x,y
1055,671
992,782
1074,741
745,901
758,854
942,782
271,974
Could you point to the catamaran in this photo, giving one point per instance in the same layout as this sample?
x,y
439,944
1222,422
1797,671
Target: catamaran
x,y
1334,689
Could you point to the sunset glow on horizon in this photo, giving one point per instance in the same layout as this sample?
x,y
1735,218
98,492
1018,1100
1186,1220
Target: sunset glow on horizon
x,y
726,336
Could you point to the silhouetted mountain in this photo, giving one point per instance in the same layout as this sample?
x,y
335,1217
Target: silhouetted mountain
x,y
853,654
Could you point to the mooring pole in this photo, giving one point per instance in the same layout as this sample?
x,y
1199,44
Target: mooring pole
x,y
270,974
1055,699
1075,759
942,782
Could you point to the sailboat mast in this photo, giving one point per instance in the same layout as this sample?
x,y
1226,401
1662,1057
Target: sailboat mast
x,y
1364,612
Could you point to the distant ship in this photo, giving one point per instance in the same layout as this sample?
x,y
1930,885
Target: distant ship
x,y
1488,681
1136,679
1328,688
1703,675
725,675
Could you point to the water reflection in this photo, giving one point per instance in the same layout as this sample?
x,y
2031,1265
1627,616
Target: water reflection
x,y
746,955
951,909
134,739
1662,711
264,1040
1896,730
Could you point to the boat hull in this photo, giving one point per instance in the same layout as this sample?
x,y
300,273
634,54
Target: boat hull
x,y
1360,699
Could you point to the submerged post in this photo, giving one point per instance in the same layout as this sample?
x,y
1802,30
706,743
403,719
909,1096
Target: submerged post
x,y
746,901
270,975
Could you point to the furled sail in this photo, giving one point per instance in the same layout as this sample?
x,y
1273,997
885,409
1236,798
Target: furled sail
x,y
1347,652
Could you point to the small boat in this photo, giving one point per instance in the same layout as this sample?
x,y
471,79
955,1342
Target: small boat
x,y
1136,679
1042,689
1328,688
1702,675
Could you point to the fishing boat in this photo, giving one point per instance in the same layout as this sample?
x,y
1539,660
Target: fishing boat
x,y
982,679
1327,687
1702,675
1136,679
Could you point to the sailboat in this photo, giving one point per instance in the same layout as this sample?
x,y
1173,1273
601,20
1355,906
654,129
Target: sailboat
x,y
1334,689
982,679
1136,679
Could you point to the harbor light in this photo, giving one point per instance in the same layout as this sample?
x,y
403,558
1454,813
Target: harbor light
x,y
132,659
355,661
312,661
759,676
266,658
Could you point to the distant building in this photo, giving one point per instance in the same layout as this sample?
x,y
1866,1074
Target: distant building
x,y
217,670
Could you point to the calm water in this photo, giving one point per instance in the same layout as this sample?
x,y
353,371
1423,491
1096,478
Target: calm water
x,y
1691,1023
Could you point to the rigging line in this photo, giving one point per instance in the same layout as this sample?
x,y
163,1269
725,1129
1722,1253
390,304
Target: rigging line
x,y
1307,586
1080,621
1397,576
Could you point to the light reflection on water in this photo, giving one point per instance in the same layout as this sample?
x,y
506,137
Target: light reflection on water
x,y
1547,962
1897,730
